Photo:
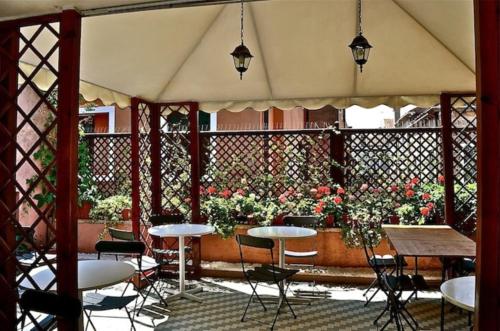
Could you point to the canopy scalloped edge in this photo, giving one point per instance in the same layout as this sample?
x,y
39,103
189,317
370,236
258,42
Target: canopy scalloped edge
x,y
90,92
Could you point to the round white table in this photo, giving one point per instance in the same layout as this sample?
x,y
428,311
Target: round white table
x,y
282,233
92,274
181,231
460,292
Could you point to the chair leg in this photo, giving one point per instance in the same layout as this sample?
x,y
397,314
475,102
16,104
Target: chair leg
x,y
372,296
89,320
375,322
283,293
370,287
143,301
130,318
151,284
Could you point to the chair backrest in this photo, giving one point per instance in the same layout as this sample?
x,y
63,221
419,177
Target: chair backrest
x,y
121,234
156,220
369,250
254,242
301,221
135,248
49,303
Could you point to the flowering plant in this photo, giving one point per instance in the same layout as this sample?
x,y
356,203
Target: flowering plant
x,y
421,203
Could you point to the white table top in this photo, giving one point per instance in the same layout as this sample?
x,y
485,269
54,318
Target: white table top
x,y
180,230
282,232
460,292
92,274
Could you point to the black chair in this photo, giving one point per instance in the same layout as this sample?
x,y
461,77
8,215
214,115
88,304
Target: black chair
x,y
305,222
392,286
168,252
49,303
98,302
25,254
265,273
134,250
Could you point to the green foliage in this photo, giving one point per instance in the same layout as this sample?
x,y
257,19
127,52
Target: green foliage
x,y
110,209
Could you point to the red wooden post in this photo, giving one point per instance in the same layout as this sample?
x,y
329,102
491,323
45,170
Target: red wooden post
x,y
194,150
337,155
154,135
487,25
447,143
9,44
136,180
67,158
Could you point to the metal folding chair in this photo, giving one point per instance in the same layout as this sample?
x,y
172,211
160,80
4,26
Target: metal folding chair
x,y
50,303
265,273
135,250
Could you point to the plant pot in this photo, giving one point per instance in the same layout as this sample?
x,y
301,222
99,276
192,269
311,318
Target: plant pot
x,y
278,220
126,214
330,221
394,219
84,210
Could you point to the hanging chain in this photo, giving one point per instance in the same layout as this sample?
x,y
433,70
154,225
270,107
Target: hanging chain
x,y
241,22
359,17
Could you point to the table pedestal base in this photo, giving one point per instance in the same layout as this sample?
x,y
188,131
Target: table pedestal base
x,y
187,294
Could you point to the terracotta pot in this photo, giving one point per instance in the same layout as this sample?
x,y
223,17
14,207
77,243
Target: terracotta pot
x,y
127,214
330,221
394,219
278,220
84,210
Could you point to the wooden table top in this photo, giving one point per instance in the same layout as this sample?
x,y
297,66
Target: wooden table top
x,y
429,241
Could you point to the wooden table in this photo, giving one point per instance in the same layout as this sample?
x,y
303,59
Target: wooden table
x,y
430,241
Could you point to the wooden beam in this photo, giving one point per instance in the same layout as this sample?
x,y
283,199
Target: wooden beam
x,y
487,28
155,139
9,43
136,180
67,159
447,147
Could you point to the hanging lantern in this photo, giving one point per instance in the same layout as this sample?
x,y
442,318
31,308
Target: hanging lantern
x,y
241,54
360,50
360,47
241,57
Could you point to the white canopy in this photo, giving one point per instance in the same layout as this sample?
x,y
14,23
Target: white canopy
x,y
421,48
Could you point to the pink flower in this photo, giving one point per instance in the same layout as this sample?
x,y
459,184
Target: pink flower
x,y
319,207
430,205
340,190
425,211
282,198
226,194
394,188
337,200
202,190
364,187
408,186
211,190
426,196
415,180
324,190
240,191
441,179
410,193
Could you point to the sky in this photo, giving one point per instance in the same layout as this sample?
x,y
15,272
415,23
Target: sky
x,y
358,117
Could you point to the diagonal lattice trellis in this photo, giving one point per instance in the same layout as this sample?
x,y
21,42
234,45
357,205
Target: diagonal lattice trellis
x,y
248,159
110,162
390,156
33,159
464,138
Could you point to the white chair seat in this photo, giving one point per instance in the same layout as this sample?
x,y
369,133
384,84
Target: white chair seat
x,y
301,254
148,263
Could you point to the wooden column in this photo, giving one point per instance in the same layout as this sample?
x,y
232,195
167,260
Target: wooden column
x,y
154,123
9,45
337,156
67,159
136,180
194,150
487,26
447,147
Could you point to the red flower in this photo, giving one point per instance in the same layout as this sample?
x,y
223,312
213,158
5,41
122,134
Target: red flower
x,y
415,180
337,200
324,190
211,190
282,198
202,190
430,205
410,193
426,196
394,188
318,196
441,179
319,207
425,211
240,191
408,186
226,194
340,190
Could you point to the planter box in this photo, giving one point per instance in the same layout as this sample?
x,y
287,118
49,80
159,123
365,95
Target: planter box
x,y
89,234
332,251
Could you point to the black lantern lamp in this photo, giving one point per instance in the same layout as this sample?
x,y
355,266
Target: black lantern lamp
x,y
360,47
241,54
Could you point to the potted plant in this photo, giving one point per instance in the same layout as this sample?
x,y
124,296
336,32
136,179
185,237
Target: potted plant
x,y
111,211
